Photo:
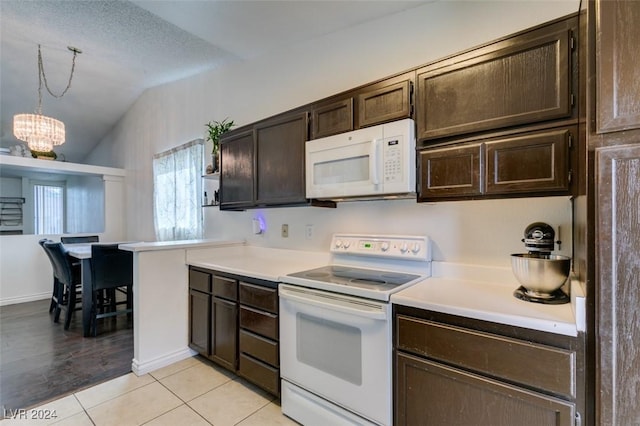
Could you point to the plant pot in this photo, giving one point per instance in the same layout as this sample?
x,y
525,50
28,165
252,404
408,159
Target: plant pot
x,y
215,162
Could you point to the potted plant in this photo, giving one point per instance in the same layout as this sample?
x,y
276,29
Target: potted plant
x,y
216,129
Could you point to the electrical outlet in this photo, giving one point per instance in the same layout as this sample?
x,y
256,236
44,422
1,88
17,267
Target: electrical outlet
x,y
285,231
308,232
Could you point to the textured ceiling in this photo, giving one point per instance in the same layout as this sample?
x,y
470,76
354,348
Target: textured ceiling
x,y
130,46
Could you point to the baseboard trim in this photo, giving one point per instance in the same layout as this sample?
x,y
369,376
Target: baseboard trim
x,y
24,299
140,368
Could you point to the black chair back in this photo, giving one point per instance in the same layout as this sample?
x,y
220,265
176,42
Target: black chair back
x,y
79,240
110,267
62,268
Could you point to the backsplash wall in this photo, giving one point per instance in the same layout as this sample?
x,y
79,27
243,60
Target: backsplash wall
x,y
476,232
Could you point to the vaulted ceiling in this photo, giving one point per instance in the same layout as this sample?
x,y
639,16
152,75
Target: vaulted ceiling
x,y
129,46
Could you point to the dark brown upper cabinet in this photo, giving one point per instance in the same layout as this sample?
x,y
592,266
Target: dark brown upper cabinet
x,y
280,170
523,79
618,93
237,170
533,163
537,162
450,172
385,101
332,117
263,164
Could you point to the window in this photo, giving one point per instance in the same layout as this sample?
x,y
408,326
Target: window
x,y
177,188
48,208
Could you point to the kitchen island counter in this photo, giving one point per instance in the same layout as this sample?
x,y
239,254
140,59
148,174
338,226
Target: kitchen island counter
x,y
161,300
486,293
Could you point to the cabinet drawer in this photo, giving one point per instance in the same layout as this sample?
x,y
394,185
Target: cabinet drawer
x,y
225,288
260,348
259,297
541,367
260,374
262,323
200,281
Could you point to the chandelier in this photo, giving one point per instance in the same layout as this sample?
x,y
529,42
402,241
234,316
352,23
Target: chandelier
x,y
40,132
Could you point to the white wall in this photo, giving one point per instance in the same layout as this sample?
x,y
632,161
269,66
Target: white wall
x,y
25,271
166,116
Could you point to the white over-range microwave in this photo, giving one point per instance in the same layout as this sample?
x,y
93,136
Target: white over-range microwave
x,y
373,162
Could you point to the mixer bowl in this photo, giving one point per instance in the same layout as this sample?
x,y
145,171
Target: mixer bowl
x,y
541,274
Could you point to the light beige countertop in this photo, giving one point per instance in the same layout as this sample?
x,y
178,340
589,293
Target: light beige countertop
x,y
258,262
180,244
487,294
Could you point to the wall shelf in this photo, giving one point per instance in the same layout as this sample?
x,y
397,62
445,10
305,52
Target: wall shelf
x,y
212,176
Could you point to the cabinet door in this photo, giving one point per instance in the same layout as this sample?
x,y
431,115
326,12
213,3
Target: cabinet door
x,y
280,160
618,284
617,73
523,80
236,170
536,162
384,102
450,172
224,333
332,118
428,393
199,311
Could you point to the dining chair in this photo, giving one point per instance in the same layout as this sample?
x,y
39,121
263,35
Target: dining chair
x,y
55,297
69,284
80,239
111,269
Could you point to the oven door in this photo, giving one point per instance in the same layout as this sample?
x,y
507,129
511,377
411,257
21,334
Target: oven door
x,y
339,348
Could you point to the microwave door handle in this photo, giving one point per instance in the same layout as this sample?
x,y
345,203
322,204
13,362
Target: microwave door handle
x,y
373,164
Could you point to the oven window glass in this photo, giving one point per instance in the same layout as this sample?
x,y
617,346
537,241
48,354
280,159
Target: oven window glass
x,y
331,347
354,169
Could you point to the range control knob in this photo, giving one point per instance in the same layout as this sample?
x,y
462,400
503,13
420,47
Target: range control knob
x,y
346,244
404,248
415,248
338,243
384,246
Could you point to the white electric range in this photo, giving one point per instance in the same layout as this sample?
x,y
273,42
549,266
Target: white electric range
x,y
335,329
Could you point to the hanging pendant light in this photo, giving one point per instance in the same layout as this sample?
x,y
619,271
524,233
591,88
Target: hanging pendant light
x,y
42,133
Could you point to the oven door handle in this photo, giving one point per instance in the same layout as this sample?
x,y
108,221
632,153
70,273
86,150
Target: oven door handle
x,y
361,309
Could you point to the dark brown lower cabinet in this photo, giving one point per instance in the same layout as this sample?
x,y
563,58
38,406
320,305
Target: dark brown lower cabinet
x,y
431,393
199,311
233,321
259,335
224,332
213,317
451,370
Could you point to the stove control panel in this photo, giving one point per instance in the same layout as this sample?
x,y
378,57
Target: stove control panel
x,y
388,246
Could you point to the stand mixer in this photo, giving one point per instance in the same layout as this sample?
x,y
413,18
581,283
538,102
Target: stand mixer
x,y
540,273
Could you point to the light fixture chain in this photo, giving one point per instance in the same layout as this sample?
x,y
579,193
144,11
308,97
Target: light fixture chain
x,y
44,77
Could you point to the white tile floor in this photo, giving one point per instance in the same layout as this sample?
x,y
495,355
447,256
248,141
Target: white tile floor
x,y
189,392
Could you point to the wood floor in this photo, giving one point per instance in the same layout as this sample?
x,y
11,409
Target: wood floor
x,y
40,361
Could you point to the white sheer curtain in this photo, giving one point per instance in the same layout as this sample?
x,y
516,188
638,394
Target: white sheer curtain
x,y
177,192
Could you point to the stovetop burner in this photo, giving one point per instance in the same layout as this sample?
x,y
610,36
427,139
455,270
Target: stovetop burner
x,y
557,297
357,277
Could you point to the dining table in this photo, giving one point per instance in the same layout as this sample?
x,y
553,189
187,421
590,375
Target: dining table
x,y
82,252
